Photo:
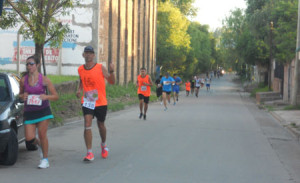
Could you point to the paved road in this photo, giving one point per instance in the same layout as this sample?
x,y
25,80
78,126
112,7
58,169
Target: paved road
x,y
220,137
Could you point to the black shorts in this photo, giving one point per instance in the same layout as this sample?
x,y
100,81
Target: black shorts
x,y
158,92
146,99
167,92
99,112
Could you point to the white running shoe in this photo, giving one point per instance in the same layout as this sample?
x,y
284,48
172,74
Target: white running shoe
x,y
44,164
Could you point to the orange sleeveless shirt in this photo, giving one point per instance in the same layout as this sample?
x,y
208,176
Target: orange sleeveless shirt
x,y
142,89
93,79
188,86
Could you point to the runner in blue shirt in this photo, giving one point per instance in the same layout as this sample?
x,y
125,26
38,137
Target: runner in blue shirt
x,y
176,87
167,82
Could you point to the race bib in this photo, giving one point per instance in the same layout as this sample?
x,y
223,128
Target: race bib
x,y
90,98
34,100
143,88
166,82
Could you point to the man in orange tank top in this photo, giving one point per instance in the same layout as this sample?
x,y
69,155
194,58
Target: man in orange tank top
x,y
187,87
92,83
144,84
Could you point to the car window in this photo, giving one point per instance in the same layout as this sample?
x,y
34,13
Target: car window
x,y
14,85
4,92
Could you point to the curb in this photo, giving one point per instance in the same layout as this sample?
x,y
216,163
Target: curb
x,y
286,124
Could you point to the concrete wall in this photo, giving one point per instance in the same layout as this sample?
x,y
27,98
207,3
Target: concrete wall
x,y
129,35
121,31
277,85
83,23
288,81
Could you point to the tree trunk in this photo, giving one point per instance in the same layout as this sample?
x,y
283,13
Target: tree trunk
x,y
295,77
38,54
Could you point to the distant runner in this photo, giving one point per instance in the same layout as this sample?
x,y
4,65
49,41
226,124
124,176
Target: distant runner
x,y
207,83
193,80
187,87
198,85
167,82
144,84
159,89
176,87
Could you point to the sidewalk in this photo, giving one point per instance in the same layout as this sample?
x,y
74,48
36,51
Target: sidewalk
x,y
289,119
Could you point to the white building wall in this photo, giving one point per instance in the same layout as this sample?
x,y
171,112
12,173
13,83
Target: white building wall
x,y
69,57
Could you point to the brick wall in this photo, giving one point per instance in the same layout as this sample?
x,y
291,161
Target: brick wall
x,y
127,34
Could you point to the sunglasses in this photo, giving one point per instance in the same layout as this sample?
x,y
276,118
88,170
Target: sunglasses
x,y
30,63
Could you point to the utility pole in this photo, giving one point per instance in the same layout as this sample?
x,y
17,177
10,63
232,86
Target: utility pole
x,y
295,78
271,58
1,7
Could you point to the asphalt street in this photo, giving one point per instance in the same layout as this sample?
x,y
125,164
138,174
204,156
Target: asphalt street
x,y
219,137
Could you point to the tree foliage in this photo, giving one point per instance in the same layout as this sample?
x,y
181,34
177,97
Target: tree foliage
x,y
38,18
199,58
247,36
185,6
173,42
285,19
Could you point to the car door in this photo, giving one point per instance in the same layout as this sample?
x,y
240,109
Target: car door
x,y
18,105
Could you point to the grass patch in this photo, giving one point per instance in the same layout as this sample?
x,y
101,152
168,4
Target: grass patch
x,y
292,107
67,106
261,88
56,79
120,96
9,71
293,125
269,108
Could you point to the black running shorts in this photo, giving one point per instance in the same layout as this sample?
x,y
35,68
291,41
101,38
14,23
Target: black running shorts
x,y
146,99
99,112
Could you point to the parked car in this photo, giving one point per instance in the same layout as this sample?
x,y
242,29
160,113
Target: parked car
x,y
11,118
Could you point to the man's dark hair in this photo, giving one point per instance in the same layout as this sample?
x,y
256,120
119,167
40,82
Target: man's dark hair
x,y
143,68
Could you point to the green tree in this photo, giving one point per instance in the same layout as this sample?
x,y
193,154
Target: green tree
x,y
185,6
285,19
199,58
39,20
232,33
173,42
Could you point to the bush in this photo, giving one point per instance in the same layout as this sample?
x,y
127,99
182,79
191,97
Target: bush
x,y
261,88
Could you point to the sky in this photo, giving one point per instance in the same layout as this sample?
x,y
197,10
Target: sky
x,y
212,12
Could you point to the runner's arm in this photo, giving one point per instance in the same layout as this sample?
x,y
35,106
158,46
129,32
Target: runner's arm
x,y
109,75
53,94
79,90
149,82
22,95
180,81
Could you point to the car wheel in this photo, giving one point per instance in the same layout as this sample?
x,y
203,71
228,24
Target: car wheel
x,y
10,154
